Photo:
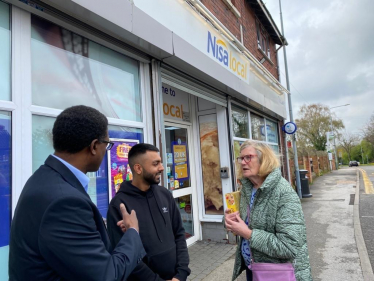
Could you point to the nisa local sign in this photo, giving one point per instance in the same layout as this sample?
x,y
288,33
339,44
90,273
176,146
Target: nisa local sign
x,y
226,56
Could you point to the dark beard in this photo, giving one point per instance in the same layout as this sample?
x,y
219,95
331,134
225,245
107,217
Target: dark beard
x,y
150,178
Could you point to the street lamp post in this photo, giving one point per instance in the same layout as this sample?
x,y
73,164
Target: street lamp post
x,y
296,161
336,158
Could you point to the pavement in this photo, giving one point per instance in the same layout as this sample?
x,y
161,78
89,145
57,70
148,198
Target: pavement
x,y
337,247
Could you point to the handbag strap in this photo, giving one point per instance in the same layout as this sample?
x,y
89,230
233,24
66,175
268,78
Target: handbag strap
x,y
250,252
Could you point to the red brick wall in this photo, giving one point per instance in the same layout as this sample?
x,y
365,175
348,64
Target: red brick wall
x,y
248,21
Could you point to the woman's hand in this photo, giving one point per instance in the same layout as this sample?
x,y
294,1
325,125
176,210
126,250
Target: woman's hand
x,y
231,216
237,226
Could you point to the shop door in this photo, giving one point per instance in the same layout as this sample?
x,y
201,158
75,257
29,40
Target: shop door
x,y
181,180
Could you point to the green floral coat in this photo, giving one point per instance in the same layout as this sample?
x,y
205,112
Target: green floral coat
x,y
277,221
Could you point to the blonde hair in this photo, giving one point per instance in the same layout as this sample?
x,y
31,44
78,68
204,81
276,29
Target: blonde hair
x,y
267,158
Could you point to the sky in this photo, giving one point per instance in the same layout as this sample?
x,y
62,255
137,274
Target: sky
x,y
330,55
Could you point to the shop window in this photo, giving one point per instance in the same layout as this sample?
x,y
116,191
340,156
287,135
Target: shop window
x,y
68,69
271,131
210,162
178,162
275,149
258,127
240,123
98,187
263,41
5,52
5,190
238,170
184,204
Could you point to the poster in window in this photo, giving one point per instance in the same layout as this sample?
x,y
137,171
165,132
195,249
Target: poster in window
x,y
180,161
210,162
118,164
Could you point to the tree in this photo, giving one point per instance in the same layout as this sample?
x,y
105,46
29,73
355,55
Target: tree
x,y
369,130
313,124
348,142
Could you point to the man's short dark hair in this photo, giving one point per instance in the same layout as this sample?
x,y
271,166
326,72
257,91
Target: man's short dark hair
x,y
140,149
76,127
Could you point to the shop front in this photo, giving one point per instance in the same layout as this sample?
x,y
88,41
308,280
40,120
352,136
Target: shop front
x,y
191,150
47,65
184,88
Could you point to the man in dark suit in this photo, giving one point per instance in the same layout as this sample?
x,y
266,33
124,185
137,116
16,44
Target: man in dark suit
x,y
57,232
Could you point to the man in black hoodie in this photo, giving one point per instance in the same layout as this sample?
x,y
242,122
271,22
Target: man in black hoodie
x,y
160,223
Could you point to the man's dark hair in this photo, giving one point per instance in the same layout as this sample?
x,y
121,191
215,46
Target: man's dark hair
x,y
140,149
76,127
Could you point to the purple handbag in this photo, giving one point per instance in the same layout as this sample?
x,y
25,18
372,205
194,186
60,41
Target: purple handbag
x,y
262,271
272,271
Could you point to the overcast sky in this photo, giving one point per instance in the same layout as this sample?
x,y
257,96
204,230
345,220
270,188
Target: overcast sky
x,y
330,55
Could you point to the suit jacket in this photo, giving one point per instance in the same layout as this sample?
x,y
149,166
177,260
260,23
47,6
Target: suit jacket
x,y
57,233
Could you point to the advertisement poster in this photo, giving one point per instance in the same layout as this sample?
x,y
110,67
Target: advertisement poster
x,y
118,164
180,165
210,163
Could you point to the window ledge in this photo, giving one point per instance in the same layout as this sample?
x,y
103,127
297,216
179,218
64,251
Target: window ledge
x,y
265,55
232,8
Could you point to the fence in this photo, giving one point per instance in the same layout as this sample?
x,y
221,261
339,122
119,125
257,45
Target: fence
x,y
315,162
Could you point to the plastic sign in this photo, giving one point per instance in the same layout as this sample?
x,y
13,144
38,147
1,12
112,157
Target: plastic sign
x,y
289,128
225,55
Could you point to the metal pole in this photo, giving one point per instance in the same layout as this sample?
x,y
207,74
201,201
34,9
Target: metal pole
x,y
362,155
336,157
285,138
297,174
329,139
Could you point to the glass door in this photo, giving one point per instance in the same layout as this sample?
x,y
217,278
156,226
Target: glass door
x,y
181,177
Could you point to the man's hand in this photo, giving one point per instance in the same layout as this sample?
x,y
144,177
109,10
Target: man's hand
x,y
121,225
129,220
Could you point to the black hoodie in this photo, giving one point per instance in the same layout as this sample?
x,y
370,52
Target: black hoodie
x,y
160,229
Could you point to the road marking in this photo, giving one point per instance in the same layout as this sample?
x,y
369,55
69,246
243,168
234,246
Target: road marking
x,y
367,182
367,216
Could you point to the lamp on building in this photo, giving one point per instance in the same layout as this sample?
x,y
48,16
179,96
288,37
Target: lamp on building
x,y
262,60
336,158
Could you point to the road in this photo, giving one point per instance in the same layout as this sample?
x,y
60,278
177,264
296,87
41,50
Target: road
x,y
367,208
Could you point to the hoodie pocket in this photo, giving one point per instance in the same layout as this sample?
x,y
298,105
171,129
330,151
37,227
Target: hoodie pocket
x,y
164,263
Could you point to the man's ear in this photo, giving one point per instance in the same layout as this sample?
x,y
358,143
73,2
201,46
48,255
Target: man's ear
x,y
138,169
93,146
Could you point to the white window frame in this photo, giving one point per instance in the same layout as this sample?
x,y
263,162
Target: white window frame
x,y
21,104
224,156
248,121
236,104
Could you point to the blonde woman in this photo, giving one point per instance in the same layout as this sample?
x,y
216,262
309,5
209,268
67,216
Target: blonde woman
x,y
275,231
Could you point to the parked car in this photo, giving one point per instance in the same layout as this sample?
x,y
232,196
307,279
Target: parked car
x,y
353,163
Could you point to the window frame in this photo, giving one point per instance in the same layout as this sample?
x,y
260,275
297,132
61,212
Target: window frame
x,y
263,40
248,120
237,104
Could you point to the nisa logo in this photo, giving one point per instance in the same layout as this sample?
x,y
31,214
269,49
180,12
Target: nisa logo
x,y
219,50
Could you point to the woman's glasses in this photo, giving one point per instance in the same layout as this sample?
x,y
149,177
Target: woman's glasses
x,y
246,158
